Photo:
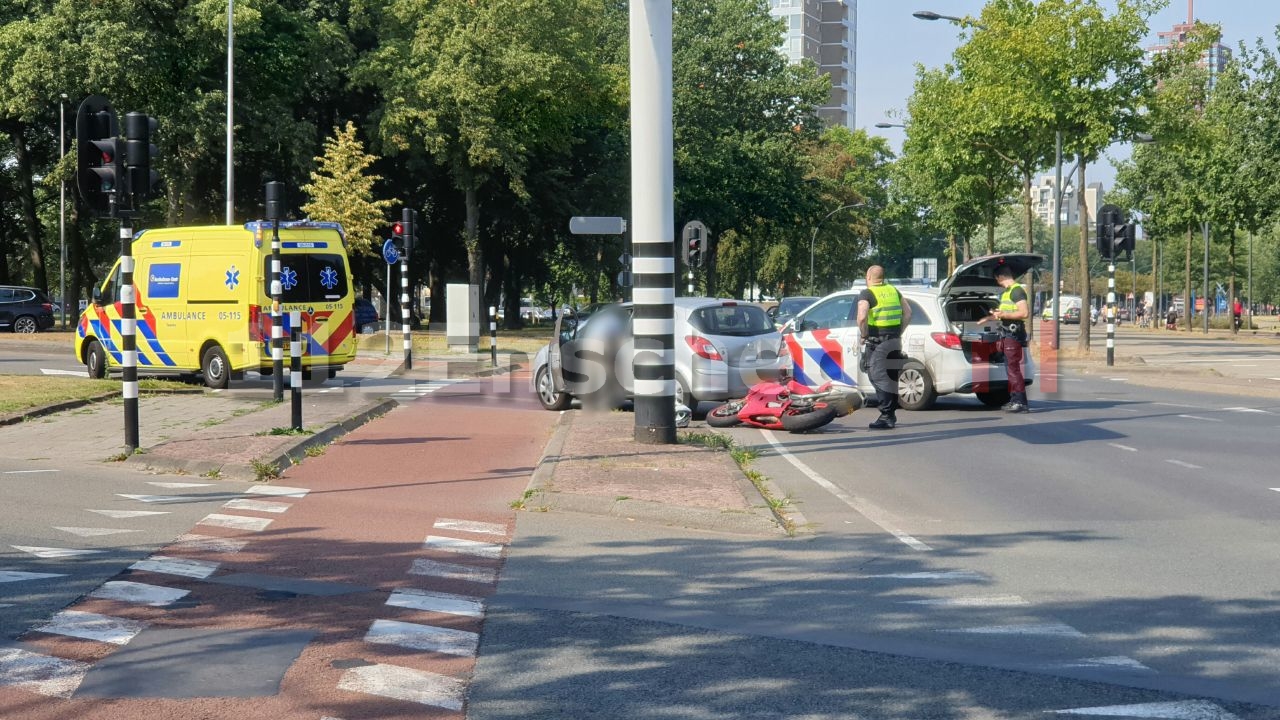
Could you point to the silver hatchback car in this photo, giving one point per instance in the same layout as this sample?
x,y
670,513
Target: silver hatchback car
x,y
723,347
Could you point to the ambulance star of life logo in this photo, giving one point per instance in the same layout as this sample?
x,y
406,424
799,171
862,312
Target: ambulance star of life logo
x,y
328,278
288,278
233,278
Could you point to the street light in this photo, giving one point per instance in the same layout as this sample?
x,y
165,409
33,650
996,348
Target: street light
x,y
890,125
814,237
62,210
1060,192
929,15
231,177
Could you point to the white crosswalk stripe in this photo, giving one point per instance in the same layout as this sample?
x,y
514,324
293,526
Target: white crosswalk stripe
x,y
50,553
235,522
42,674
401,683
278,491
463,547
193,541
92,626
199,569
437,602
471,526
450,571
423,637
257,505
135,592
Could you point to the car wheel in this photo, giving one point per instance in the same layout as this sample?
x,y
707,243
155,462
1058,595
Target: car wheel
x,y
550,398
683,396
995,398
25,325
216,368
95,360
915,387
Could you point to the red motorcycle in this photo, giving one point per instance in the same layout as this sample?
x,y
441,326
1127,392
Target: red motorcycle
x,y
787,405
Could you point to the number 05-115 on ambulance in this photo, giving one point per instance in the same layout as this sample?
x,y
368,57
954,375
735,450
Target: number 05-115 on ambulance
x,y
204,302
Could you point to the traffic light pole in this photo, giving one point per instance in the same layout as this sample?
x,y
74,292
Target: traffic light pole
x,y
1111,311
277,318
404,312
128,336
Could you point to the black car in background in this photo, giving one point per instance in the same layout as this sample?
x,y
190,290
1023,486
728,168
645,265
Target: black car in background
x,y
24,309
365,315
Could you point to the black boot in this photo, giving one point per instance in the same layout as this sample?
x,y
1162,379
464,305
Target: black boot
x,y
886,421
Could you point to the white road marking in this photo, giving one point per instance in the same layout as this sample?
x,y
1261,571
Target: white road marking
x,y
154,498
257,505
1118,446
192,541
1177,405
175,485
1183,464
1118,379
134,592
278,490
236,522
93,532
977,601
28,472
1117,661
450,571
450,604
92,626
1202,419
55,371
1247,410
1184,710
423,637
862,507
464,547
120,514
401,683
1054,629
199,569
42,674
20,576
471,526
939,575
49,553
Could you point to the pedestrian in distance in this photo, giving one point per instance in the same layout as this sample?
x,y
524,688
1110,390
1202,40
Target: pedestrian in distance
x,y
881,316
1237,311
1012,315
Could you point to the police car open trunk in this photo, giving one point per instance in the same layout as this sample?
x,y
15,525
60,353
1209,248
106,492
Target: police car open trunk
x,y
970,294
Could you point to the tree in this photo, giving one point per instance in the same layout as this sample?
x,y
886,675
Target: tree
x,y
342,191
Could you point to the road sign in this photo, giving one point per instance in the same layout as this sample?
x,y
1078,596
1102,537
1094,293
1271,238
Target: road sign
x,y
390,253
625,260
579,225
624,279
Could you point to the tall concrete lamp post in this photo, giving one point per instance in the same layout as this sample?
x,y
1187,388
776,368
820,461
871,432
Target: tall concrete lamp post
x,y
62,211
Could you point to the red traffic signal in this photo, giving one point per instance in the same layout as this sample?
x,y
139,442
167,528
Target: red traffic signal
x,y
397,229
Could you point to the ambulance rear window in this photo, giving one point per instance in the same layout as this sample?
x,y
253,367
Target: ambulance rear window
x,y
309,278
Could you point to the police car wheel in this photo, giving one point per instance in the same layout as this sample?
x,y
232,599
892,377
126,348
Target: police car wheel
x,y
95,360
215,368
915,387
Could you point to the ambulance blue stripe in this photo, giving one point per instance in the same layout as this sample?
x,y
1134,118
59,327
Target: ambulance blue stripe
x,y
104,337
161,354
314,347
829,366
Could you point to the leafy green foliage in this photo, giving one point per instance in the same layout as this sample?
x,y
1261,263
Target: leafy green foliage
x,y
342,191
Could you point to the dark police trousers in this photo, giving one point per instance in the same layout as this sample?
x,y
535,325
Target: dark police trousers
x,y
883,367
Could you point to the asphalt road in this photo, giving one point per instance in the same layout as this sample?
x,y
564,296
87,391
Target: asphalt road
x,y
1118,532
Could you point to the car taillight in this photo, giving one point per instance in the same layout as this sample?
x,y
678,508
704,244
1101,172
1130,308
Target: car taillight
x,y
255,323
47,307
703,348
950,341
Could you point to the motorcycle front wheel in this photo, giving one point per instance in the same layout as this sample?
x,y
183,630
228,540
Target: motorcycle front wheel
x,y
723,416
806,420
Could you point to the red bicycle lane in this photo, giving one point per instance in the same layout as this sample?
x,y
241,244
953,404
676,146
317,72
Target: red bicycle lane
x,y
352,587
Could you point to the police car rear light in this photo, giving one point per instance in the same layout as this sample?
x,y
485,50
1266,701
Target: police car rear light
x,y
703,347
950,341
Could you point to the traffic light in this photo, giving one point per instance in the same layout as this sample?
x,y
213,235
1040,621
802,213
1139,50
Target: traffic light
x,y
408,228
397,236
1110,232
694,246
99,156
1125,237
139,156
275,200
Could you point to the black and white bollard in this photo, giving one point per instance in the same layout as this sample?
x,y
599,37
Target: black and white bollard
x,y
404,312
493,336
277,318
128,338
295,367
1111,312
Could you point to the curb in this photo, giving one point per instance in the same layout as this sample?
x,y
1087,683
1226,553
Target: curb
x,y
749,522
792,521
284,458
15,418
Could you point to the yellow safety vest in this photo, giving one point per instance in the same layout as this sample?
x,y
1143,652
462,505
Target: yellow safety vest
x,y
886,314
1006,300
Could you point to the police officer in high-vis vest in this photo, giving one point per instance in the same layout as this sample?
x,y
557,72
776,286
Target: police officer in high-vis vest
x,y
882,313
1012,314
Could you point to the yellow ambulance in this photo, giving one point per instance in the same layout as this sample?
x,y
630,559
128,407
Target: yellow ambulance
x,y
204,303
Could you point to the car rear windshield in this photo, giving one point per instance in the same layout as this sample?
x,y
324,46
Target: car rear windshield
x,y
740,320
309,278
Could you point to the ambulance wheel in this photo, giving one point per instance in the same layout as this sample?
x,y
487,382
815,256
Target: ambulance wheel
x,y
215,368
95,360
312,380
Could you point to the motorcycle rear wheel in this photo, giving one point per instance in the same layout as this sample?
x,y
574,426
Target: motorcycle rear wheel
x,y
808,420
724,416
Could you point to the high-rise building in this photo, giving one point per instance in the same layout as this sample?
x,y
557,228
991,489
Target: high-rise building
x,y
1214,59
1044,202
824,31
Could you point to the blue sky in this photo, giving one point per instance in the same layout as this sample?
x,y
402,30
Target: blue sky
x,y
891,42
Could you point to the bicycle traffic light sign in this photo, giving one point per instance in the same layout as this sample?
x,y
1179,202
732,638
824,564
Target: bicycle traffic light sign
x,y
99,156
695,244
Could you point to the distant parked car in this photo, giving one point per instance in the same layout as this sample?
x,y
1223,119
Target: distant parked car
x,y
788,307
365,314
25,309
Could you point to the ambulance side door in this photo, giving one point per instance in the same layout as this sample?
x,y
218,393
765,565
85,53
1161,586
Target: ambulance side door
x,y
162,276
823,341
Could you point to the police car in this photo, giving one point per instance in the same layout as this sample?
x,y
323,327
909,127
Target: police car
x,y
948,350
